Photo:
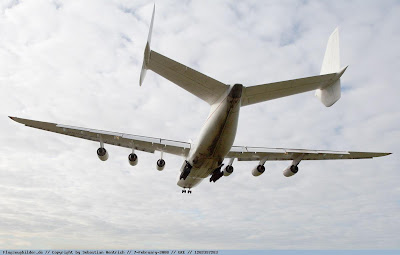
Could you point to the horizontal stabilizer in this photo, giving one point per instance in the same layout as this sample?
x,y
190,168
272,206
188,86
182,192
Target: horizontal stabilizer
x,y
327,84
198,84
269,91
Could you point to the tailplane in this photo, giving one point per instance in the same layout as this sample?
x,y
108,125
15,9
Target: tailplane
x,y
331,64
200,85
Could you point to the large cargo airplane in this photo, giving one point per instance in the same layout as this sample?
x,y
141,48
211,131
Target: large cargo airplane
x,y
204,158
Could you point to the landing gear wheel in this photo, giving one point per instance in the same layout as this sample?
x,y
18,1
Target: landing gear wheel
x,y
294,169
183,191
189,191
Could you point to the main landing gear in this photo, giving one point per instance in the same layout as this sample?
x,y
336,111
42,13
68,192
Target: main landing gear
x,y
189,191
216,174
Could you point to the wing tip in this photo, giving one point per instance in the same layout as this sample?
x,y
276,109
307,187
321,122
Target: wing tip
x,y
16,119
380,154
374,154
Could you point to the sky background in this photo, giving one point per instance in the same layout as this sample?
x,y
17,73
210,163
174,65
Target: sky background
x,y
78,63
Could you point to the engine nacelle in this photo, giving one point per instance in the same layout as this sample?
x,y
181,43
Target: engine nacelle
x,y
290,171
258,170
102,154
160,164
133,159
228,170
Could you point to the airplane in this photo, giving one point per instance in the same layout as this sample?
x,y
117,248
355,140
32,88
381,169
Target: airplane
x,y
204,157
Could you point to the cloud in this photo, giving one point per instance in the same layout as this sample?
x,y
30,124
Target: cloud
x,y
78,63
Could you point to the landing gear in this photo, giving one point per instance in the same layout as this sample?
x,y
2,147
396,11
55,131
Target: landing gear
x,y
216,174
186,171
189,191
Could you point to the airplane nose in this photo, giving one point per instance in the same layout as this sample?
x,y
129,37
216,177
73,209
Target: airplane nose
x,y
181,183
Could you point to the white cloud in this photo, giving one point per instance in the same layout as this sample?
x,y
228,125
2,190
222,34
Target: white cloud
x,y
78,63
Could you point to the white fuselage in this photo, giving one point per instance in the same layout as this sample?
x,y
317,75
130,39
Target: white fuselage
x,y
216,138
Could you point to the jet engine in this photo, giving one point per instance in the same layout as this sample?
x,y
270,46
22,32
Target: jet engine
x,y
259,170
291,170
133,159
160,164
228,170
102,154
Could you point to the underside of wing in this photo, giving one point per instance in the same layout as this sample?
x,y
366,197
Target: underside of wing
x,y
141,143
243,153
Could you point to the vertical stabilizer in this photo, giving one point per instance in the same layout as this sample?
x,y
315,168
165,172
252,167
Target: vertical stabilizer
x,y
146,56
331,64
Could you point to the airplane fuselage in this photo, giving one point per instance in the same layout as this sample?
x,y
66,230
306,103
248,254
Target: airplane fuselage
x,y
216,138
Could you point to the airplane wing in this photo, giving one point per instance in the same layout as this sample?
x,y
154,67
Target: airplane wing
x,y
141,143
243,153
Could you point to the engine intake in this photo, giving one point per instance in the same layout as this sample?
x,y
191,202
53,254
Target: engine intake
x,y
160,164
133,159
290,171
228,170
102,154
259,170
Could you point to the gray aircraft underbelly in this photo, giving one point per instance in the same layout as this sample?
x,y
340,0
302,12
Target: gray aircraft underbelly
x,y
215,140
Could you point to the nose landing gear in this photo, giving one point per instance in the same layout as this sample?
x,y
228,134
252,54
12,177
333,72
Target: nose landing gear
x,y
188,191
186,171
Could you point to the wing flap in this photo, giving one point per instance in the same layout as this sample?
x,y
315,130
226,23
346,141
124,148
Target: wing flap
x,y
141,143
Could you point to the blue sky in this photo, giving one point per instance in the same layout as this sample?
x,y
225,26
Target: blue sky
x,y
78,63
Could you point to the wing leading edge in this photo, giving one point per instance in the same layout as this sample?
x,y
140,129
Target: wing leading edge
x,y
243,153
141,143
